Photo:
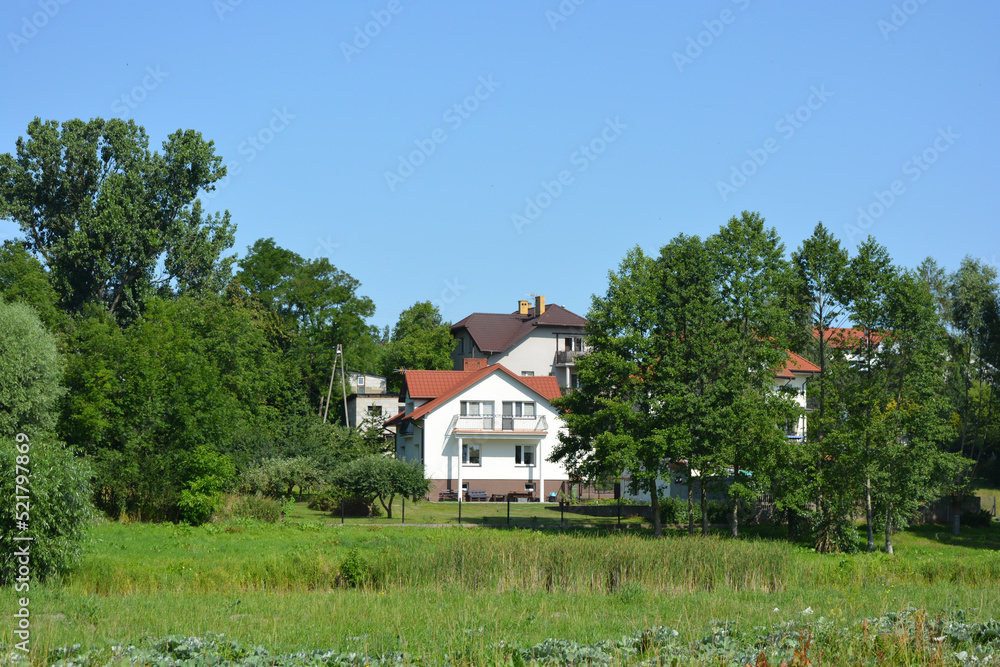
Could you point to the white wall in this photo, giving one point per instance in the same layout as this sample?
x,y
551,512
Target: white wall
x,y
441,450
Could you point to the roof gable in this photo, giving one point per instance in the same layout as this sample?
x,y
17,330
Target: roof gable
x,y
546,387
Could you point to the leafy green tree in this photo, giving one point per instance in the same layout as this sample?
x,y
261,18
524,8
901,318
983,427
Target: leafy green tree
x,y
23,279
972,300
317,307
689,326
278,477
911,465
60,505
613,421
758,292
30,371
420,341
864,292
382,478
820,264
102,212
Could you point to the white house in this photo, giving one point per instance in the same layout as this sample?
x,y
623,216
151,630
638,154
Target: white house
x,y
533,341
484,430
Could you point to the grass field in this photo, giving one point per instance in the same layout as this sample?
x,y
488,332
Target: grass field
x,y
311,584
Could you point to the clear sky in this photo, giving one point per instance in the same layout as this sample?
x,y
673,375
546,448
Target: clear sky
x,y
401,137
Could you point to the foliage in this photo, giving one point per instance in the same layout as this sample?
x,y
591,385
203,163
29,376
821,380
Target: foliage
x,y
383,478
978,519
612,421
23,279
277,477
420,341
30,371
256,507
102,211
57,513
316,307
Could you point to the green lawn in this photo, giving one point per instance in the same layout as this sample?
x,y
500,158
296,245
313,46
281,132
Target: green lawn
x,y
452,591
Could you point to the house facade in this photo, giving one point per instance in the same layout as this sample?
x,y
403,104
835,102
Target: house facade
x,y
536,340
483,429
368,402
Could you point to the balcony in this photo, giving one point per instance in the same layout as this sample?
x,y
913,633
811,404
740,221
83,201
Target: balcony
x,y
498,424
568,357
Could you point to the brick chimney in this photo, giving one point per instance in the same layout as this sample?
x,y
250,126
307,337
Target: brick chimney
x,y
474,364
539,305
523,306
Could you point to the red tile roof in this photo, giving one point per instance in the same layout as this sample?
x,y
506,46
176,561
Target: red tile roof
x,y
448,384
796,364
843,336
496,332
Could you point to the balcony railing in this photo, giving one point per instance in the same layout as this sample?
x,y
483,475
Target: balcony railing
x,y
499,423
568,356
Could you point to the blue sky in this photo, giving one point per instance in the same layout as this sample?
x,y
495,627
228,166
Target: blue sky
x,y
402,138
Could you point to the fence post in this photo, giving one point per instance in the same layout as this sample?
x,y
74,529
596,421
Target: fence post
x,y
619,511
342,501
562,512
460,511
508,510
404,510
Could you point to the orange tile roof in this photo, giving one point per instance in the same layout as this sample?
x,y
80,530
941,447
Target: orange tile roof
x,y
796,364
450,383
840,336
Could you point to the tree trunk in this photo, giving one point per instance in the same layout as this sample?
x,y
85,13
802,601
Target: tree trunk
x,y
654,501
868,512
888,529
388,508
690,504
790,517
704,506
734,518
956,515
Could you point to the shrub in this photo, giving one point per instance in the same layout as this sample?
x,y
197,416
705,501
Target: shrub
x,y
209,474
980,519
329,500
674,510
275,478
258,508
354,570
60,506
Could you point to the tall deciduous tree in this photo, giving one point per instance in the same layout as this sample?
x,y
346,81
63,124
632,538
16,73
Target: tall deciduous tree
x,y
758,292
973,296
102,211
865,293
317,307
614,421
820,264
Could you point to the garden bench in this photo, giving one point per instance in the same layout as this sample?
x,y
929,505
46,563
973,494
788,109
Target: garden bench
x,y
477,494
448,495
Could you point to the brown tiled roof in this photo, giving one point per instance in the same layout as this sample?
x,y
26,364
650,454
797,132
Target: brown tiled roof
x,y
496,332
451,383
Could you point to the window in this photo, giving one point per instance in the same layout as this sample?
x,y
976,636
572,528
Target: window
x,y
471,455
375,410
530,487
524,455
518,409
477,408
528,374
573,344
